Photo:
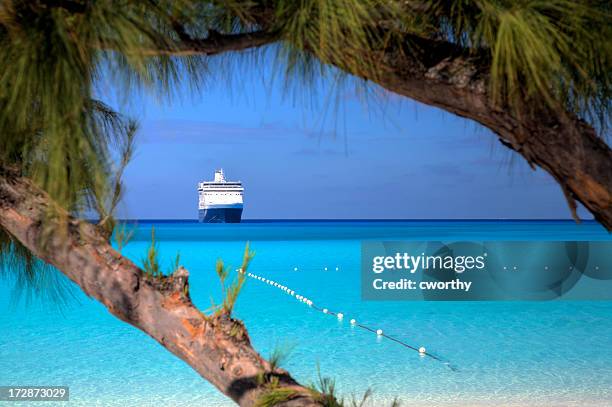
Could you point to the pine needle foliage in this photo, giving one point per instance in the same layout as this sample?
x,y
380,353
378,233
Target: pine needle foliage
x,y
32,278
553,52
275,396
231,291
122,235
150,263
279,356
60,57
325,392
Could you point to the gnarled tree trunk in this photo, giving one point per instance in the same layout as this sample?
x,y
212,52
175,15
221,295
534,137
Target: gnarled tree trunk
x,y
567,147
441,74
217,347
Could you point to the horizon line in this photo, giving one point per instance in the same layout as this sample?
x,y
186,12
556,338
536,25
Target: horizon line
x,y
256,220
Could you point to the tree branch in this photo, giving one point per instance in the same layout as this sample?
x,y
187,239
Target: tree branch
x,y
217,347
557,141
215,43
441,74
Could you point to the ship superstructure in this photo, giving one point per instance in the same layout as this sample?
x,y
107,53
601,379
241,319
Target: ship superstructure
x,y
220,200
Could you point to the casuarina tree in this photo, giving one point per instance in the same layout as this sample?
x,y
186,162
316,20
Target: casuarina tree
x,y
536,73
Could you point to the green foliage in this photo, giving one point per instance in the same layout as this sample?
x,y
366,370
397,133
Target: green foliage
x,y
175,264
274,396
274,393
150,263
329,30
55,55
232,290
32,277
553,52
325,392
279,355
537,54
107,199
122,235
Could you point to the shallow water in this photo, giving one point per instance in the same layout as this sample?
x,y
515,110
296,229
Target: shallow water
x,y
506,353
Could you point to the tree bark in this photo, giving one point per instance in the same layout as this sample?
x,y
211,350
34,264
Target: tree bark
x,y
217,347
445,76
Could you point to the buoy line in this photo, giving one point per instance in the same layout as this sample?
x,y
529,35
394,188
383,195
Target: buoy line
x,y
422,351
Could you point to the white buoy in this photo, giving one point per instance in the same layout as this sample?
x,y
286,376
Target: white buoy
x,y
379,332
337,268
325,268
353,322
340,315
325,310
295,269
422,350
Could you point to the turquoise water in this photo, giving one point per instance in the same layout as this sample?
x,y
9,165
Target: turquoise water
x,y
506,353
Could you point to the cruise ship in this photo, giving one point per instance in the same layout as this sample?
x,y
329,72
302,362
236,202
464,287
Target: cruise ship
x,y
220,200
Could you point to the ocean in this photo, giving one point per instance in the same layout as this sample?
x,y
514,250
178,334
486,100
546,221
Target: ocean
x,y
556,353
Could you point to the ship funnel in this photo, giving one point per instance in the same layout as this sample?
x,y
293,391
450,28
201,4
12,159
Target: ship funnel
x,y
219,177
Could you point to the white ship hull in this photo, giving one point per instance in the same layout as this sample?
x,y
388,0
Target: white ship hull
x,y
220,201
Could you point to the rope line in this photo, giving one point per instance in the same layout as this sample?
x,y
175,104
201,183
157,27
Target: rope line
x,y
379,332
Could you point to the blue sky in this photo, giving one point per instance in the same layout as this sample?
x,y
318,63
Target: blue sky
x,y
341,156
